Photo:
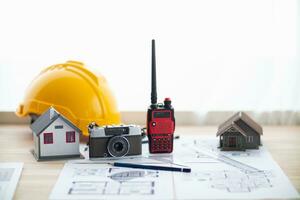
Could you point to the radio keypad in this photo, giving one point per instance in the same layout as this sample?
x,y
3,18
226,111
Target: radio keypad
x,y
162,144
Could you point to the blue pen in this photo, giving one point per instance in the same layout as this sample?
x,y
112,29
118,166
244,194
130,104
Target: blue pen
x,y
152,167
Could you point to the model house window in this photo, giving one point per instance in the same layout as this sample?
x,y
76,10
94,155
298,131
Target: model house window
x,y
59,127
249,139
48,138
70,136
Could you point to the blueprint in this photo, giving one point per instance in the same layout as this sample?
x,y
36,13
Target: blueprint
x,y
102,181
251,174
9,176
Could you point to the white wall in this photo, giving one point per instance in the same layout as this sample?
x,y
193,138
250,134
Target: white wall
x,y
211,54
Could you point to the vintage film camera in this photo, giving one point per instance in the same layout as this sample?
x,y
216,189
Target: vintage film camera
x,y
114,141
160,118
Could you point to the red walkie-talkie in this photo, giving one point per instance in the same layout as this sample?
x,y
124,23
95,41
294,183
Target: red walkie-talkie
x,y
160,118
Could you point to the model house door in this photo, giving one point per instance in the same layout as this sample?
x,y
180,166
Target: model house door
x,y
232,141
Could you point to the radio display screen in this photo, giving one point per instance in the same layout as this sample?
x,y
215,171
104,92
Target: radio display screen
x,y
161,115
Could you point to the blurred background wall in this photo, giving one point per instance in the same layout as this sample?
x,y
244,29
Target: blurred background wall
x,y
213,57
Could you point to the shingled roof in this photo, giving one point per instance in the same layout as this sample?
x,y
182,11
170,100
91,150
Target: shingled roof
x,y
231,122
48,118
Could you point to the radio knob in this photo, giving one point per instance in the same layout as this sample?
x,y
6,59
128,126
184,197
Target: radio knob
x,y
153,124
167,102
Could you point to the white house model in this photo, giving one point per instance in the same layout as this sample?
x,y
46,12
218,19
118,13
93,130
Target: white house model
x,y
55,136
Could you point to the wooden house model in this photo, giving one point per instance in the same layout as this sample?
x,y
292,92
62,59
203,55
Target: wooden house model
x,y
239,132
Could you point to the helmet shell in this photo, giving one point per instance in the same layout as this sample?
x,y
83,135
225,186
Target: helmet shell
x,y
75,92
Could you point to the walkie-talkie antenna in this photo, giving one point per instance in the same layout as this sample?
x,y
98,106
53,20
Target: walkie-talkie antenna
x,y
153,76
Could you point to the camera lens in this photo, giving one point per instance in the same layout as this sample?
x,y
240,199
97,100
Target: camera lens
x,y
118,146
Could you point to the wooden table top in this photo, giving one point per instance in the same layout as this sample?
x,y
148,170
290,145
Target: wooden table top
x,y
38,178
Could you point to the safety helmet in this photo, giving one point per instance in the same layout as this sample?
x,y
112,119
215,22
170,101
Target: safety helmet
x,y
75,92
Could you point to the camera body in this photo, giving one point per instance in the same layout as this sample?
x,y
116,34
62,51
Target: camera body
x,y
161,127
114,141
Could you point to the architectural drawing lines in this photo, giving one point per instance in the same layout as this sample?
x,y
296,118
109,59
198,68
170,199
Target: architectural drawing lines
x,y
112,188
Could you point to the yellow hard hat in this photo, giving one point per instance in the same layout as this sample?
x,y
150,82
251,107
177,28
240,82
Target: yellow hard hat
x,y
75,92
